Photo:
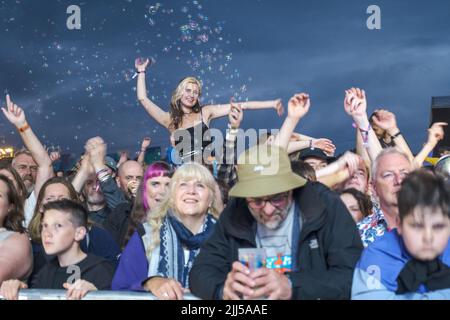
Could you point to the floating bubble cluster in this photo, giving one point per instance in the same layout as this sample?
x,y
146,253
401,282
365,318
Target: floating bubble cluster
x,y
81,81
192,37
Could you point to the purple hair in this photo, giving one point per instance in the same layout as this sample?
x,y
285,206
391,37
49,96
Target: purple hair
x,y
156,169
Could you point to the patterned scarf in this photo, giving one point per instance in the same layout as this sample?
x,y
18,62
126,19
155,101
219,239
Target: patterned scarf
x,y
174,236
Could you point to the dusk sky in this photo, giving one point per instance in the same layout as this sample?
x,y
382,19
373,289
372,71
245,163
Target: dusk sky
x,y
76,84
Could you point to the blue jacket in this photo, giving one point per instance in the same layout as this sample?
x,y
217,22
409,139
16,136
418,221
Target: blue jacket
x,y
376,273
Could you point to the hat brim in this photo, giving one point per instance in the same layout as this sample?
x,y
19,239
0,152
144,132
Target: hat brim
x,y
261,187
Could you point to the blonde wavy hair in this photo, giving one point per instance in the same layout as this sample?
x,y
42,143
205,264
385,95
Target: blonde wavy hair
x,y
176,112
187,172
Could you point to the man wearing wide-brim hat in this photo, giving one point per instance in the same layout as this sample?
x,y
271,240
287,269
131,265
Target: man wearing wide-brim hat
x,y
310,241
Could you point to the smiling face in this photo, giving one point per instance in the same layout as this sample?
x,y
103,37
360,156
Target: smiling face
x,y
191,198
189,95
156,190
425,232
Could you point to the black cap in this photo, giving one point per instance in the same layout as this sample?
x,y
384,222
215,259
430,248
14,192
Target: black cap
x,y
316,153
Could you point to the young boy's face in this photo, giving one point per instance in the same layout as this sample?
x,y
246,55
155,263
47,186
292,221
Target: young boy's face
x,y
425,233
59,234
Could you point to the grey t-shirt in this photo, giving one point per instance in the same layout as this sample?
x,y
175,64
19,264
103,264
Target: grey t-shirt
x,y
277,243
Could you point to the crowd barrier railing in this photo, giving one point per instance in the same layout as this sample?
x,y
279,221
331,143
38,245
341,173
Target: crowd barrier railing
x,y
52,294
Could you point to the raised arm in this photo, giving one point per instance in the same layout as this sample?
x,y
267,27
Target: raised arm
x,y
226,170
86,169
355,104
435,134
340,170
96,148
325,144
386,121
298,107
16,116
161,116
145,144
221,110
123,158
361,151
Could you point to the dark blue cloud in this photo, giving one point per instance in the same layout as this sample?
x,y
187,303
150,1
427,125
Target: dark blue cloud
x,y
77,84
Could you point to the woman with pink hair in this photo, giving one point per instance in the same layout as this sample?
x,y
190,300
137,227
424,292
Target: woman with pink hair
x,y
122,222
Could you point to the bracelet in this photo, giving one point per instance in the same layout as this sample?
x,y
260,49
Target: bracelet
x,y
364,134
311,145
140,71
103,176
24,128
396,135
100,171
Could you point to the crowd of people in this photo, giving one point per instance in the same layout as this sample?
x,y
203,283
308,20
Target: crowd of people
x,y
372,223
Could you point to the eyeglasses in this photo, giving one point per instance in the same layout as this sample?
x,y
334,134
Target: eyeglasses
x,y
277,201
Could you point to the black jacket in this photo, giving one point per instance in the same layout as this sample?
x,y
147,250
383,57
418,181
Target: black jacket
x,y
327,253
118,221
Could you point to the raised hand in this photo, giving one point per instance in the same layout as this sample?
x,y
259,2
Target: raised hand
x,y
141,64
350,161
298,105
14,113
436,133
145,143
86,165
235,115
55,156
279,107
96,148
355,103
325,144
385,120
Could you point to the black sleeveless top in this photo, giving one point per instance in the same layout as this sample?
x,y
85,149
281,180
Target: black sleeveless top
x,y
192,142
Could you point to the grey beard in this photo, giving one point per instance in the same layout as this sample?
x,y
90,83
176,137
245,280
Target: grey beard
x,y
30,189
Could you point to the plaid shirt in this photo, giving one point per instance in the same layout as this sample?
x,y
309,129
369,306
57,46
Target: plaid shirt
x,y
372,227
226,170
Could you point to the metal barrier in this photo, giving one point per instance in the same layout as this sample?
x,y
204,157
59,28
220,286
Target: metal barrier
x,y
50,294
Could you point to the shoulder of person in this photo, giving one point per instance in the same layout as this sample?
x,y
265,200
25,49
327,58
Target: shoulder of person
x,y
14,238
384,250
140,229
92,261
